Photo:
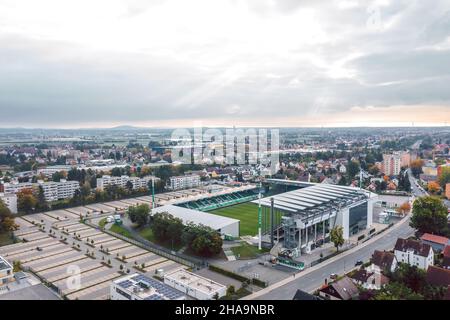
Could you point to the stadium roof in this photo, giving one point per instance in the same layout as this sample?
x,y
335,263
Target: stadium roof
x,y
197,217
314,197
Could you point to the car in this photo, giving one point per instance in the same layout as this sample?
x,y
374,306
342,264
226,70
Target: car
x,y
333,276
359,263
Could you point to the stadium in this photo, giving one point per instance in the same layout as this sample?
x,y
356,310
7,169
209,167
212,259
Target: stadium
x,y
299,214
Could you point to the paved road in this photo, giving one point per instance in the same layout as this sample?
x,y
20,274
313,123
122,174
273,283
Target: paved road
x,y
313,280
417,190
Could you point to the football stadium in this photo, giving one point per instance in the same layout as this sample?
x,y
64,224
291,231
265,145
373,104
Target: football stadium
x,y
300,214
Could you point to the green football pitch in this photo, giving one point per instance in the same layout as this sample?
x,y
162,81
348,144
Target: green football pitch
x,y
247,213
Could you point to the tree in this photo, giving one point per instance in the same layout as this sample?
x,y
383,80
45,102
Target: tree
x,y
397,291
352,169
433,187
129,186
57,176
6,219
41,201
337,236
444,177
416,166
26,201
139,214
231,290
166,227
204,240
373,169
404,208
429,215
86,189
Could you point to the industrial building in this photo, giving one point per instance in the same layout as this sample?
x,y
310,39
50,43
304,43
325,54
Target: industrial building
x,y
140,287
221,224
304,217
195,286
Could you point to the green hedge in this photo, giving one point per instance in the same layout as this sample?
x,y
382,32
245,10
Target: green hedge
x,y
228,273
259,283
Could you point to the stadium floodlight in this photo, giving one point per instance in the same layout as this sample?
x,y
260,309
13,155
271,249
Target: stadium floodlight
x,y
259,217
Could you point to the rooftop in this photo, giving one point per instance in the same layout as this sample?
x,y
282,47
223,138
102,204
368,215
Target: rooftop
x,y
4,264
438,276
193,280
344,288
314,198
36,292
434,238
404,245
147,288
197,217
383,259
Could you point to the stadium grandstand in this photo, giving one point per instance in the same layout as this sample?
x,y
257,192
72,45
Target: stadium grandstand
x,y
220,201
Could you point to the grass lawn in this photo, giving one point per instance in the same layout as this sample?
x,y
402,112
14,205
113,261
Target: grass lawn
x,y
120,230
246,250
247,213
147,233
102,223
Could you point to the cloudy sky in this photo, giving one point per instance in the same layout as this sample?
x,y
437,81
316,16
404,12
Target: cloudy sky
x,y
103,63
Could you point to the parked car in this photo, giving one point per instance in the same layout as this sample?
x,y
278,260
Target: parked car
x,y
359,263
333,276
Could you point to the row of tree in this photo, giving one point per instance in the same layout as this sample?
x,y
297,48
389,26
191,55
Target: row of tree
x,y
202,240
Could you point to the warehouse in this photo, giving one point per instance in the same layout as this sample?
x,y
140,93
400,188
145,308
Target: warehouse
x,y
309,213
223,225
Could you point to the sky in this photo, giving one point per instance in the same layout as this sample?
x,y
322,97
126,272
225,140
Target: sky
x,y
169,63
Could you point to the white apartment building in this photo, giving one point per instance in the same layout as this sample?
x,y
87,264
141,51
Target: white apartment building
x,y
391,164
122,181
10,200
49,171
15,187
183,182
194,285
414,253
54,191
140,287
6,272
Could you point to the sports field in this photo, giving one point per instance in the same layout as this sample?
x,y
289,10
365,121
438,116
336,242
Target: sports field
x,y
247,213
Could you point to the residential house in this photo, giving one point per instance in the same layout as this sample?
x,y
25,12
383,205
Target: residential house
x,y
414,253
302,295
383,261
369,280
343,289
439,277
438,243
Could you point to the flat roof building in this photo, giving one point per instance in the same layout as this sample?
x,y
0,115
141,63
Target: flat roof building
x,y
139,287
194,285
6,272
